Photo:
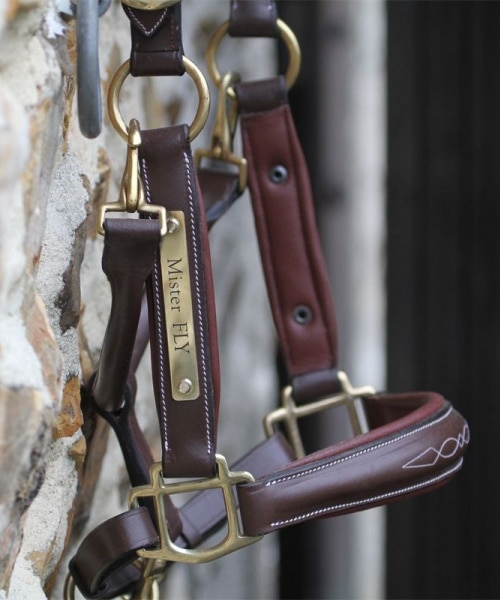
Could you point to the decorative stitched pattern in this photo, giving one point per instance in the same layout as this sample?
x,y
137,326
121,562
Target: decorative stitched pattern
x,y
140,25
429,457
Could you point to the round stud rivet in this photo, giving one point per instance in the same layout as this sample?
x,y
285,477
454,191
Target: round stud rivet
x,y
185,386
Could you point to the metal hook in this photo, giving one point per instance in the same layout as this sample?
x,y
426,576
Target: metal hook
x,y
226,118
131,182
87,13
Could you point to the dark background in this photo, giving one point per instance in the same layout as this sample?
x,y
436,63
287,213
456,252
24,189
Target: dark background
x,y
442,279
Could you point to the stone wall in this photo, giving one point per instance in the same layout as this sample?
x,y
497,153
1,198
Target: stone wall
x,y
54,299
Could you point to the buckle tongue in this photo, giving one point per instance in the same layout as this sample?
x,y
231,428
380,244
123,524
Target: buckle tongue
x,y
168,550
290,413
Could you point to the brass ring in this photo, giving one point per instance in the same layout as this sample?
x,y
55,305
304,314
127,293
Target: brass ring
x,y
287,36
192,70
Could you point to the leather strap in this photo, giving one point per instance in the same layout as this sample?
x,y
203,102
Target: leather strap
x,y
417,445
130,248
102,567
292,258
156,37
219,191
253,18
187,427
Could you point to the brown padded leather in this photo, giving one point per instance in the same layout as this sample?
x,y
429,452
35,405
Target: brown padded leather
x,y
294,267
187,428
417,452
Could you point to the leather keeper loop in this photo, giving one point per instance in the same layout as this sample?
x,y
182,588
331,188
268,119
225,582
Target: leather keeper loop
x,y
156,38
261,96
253,18
315,384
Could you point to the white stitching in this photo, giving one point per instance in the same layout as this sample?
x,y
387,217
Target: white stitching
x,y
460,441
159,330
141,25
377,498
198,304
359,453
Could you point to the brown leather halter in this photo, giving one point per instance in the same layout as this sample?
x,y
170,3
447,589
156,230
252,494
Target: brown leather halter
x,y
403,444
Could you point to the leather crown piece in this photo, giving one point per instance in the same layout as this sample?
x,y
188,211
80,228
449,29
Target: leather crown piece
x,y
403,445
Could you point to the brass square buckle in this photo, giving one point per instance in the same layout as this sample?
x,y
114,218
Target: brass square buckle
x,y
290,413
168,550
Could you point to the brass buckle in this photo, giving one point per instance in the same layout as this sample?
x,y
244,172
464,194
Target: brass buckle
x,y
168,550
131,197
223,132
290,413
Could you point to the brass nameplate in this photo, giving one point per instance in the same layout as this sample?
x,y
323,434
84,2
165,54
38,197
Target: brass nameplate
x,y
179,310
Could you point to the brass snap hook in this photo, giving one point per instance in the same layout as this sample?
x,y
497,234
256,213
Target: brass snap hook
x,y
131,181
224,131
131,197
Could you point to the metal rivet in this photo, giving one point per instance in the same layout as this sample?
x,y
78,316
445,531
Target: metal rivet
x,y
302,314
278,174
185,386
172,224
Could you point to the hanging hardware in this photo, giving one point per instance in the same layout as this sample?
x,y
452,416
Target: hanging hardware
x,y
289,412
224,480
88,80
223,132
192,70
150,4
287,36
152,574
131,196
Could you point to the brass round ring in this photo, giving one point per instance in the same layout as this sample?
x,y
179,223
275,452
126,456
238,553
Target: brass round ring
x,y
192,70
287,36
